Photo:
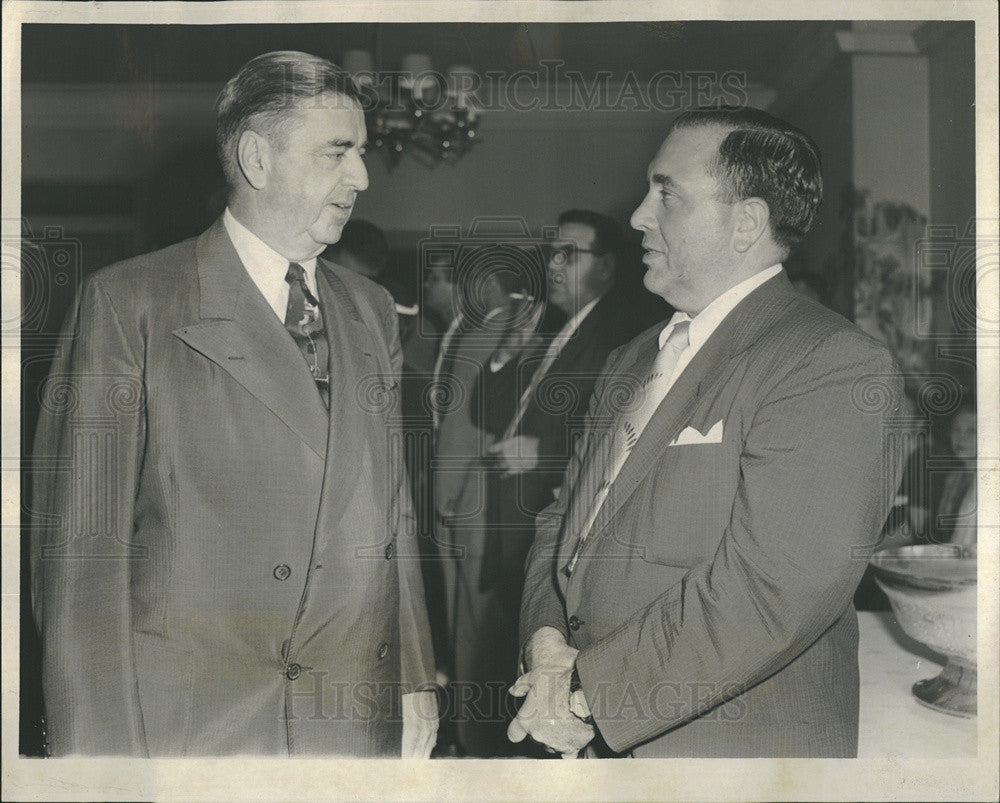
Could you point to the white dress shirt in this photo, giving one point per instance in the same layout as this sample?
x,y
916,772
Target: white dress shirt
x,y
702,326
572,325
708,320
266,266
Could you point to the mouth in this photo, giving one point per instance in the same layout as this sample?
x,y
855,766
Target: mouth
x,y
651,255
343,207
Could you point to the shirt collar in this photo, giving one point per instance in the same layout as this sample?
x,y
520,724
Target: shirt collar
x,y
574,323
266,266
708,320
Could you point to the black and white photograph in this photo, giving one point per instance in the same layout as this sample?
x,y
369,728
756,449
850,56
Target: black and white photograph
x,y
392,388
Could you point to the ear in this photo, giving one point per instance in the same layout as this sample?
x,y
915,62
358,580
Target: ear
x,y
253,153
606,268
753,220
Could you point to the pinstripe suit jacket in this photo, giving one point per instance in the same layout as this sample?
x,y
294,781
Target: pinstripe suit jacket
x,y
221,565
712,602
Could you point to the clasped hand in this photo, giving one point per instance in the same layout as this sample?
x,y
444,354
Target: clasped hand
x,y
516,455
548,714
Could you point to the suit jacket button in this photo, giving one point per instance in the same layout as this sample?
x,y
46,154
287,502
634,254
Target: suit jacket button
x,y
292,671
282,571
383,650
390,550
574,623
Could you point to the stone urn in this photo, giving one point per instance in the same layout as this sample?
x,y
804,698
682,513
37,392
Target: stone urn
x,y
932,589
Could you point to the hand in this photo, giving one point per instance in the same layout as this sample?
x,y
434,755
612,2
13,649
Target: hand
x,y
516,455
420,723
546,714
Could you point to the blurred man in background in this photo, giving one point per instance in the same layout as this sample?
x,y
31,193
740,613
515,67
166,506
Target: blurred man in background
x,y
362,248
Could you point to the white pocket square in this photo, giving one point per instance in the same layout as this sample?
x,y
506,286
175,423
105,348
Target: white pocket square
x,y
692,436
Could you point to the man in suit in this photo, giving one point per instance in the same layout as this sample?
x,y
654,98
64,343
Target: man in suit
x,y
362,248
689,593
223,560
536,434
559,379
474,385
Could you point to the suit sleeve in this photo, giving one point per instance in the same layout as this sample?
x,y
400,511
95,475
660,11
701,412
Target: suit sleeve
x,y
88,451
816,482
416,651
541,605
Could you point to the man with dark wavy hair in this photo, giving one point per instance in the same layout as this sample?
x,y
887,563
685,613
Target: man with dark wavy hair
x,y
690,592
228,564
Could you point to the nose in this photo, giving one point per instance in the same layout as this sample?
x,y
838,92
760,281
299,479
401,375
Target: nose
x,y
357,176
640,217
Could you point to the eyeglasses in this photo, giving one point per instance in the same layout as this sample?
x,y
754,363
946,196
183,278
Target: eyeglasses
x,y
561,254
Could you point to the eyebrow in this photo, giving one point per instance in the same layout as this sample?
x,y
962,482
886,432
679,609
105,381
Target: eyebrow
x,y
662,180
341,143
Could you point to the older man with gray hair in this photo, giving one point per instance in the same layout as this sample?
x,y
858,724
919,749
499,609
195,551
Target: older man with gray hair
x,y
227,564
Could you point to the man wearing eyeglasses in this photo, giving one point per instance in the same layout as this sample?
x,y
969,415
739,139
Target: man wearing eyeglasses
x,y
539,439
555,385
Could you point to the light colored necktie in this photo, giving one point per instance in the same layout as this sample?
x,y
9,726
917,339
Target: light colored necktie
x,y
609,457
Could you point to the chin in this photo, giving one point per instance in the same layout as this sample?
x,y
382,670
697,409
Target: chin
x,y
654,283
329,235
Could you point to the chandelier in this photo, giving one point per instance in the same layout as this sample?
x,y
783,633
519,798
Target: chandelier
x,y
416,111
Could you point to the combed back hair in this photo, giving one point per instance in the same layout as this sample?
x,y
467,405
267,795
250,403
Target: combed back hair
x,y
265,95
765,157
608,238
364,241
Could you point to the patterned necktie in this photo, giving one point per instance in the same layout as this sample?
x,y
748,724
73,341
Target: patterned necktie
x,y
304,322
607,460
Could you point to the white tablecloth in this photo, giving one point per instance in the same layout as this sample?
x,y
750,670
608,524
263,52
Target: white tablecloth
x,y
892,722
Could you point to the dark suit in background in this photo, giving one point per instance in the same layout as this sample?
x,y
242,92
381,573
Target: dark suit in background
x,y
556,410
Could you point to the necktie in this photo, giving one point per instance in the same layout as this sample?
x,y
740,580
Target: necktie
x,y
607,460
304,322
554,349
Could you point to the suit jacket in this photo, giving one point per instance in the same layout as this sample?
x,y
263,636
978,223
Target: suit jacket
x,y
557,409
555,416
221,565
463,437
711,602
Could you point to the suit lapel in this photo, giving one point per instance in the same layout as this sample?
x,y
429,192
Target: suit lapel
x,y
571,356
701,382
701,379
239,332
360,373
620,382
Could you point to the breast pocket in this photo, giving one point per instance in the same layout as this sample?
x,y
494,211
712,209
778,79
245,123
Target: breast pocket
x,y
685,505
